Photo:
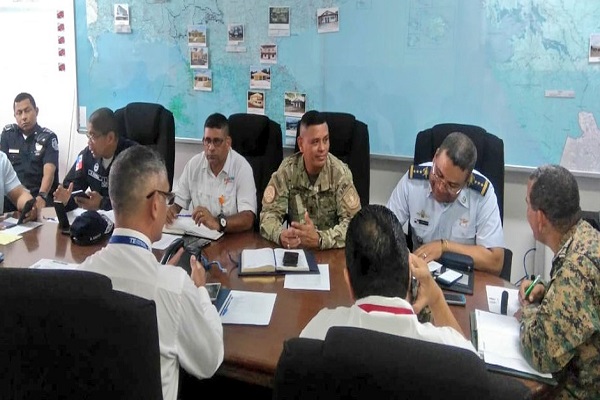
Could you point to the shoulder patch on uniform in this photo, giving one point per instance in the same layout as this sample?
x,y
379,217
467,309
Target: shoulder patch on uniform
x,y
418,172
478,183
269,194
351,199
8,127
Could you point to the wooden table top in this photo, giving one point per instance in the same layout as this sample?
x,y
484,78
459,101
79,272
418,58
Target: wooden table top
x,y
251,352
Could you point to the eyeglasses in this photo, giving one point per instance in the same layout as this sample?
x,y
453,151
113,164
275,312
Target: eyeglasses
x,y
450,187
214,141
93,136
170,197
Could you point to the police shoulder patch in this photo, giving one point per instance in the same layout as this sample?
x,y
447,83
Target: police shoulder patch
x,y
269,194
55,144
478,183
418,172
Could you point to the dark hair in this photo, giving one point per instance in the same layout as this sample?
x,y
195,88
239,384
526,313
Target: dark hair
x,y
129,175
554,190
217,121
460,150
311,118
103,120
376,253
24,96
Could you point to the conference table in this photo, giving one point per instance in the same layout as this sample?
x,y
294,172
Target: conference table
x,y
251,352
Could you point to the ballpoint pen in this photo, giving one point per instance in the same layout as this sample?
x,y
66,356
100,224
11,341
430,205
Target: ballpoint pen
x,y
226,305
530,288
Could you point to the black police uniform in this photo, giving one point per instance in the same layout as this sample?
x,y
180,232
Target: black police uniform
x,y
88,172
28,156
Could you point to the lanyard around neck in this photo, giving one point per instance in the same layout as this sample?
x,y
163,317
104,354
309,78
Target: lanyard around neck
x,y
130,240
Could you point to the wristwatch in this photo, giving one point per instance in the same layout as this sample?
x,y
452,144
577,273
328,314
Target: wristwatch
x,y
43,195
222,222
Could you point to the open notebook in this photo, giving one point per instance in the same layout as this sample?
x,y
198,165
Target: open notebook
x,y
268,261
187,226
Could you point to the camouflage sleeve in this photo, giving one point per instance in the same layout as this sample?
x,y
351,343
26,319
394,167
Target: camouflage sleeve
x,y
348,204
566,318
274,206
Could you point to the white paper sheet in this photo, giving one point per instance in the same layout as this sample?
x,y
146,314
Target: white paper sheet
x,y
46,263
309,281
249,308
20,229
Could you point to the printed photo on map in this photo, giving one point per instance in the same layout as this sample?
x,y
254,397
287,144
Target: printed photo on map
x,y
328,19
121,18
268,53
203,80
256,102
291,126
235,34
198,57
279,21
197,35
294,104
260,77
594,48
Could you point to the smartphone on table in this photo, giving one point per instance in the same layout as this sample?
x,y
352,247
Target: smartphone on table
x,y
455,299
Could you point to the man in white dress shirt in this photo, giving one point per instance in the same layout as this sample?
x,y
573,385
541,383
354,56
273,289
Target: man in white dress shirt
x,y
189,328
218,183
378,272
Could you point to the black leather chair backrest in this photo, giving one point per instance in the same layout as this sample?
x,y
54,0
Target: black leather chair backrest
x,y
358,363
259,140
152,125
69,335
490,152
349,141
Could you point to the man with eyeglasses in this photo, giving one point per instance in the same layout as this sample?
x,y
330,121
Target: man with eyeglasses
x,y
313,189
93,164
451,207
217,185
190,332
32,151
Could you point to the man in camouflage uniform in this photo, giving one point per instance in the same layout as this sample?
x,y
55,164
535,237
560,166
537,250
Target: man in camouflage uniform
x,y
560,321
315,190
32,151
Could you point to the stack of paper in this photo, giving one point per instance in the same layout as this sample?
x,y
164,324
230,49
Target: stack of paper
x,y
498,342
247,308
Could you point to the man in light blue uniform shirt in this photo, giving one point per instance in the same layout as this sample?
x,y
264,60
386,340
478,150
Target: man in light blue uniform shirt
x,y
451,207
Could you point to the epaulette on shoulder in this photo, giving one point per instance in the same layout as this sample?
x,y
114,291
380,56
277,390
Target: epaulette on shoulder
x,y
8,127
418,172
479,183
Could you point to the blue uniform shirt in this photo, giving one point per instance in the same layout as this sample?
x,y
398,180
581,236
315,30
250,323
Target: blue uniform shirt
x,y
473,218
28,155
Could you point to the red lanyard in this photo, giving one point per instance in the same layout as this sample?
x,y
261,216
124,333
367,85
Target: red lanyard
x,y
392,310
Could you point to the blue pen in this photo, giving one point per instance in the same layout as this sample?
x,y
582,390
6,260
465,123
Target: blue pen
x,y
226,305
184,215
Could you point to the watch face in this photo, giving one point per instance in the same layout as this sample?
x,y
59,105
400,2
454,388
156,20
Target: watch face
x,y
223,222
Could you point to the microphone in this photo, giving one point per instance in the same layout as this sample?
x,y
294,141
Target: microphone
x,y
504,303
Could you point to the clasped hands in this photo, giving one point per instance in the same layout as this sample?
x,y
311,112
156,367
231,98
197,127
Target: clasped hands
x,y
200,215
300,235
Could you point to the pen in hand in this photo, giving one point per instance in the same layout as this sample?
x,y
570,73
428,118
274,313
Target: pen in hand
x,y
531,286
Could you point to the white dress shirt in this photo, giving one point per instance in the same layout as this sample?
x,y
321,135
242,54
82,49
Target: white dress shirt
x,y
189,327
406,325
200,187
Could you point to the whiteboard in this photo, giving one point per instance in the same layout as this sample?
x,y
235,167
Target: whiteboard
x,y
36,61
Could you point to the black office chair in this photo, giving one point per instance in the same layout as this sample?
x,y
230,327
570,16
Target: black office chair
x,y
349,141
592,217
356,363
152,125
259,140
490,162
68,335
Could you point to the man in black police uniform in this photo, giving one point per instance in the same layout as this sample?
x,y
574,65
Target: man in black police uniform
x,y
93,163
32,151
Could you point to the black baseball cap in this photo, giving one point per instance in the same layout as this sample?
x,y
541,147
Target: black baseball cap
x,y
91,227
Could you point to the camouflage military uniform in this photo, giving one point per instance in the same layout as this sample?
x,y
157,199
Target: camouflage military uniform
x,y
331,201
562,334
